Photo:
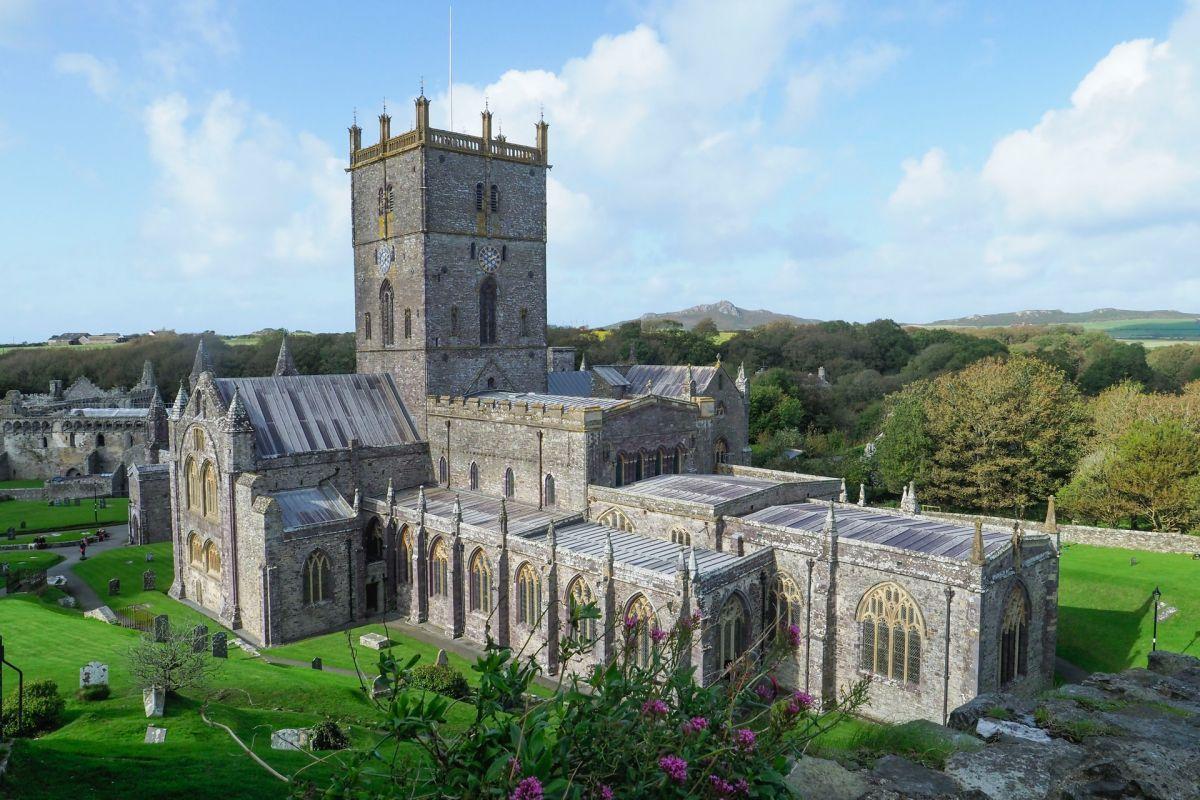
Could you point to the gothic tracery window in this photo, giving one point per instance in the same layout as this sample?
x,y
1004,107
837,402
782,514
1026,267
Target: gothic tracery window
x,y
208,480
480,590
405,556
721,451
640,622
439,570
580,594
387,317
732,630
529,595
318,580
616,518
191,484
1014,636
474,476
786,603
681,536
892,633
487,311
494,199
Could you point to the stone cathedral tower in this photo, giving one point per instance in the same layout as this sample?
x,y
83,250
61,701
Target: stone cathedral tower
x,y
449,238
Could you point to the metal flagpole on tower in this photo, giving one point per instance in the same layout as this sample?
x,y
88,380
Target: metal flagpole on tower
x,y
451,5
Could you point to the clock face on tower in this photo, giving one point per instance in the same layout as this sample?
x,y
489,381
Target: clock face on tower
x,y
489,259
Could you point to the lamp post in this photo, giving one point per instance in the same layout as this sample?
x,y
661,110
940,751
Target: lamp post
x,y
1154,640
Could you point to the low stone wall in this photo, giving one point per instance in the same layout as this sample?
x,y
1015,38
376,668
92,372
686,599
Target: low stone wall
x,y
83,487
1100,537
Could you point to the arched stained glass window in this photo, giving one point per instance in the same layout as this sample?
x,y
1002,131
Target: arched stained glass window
x,y
892,633
529,595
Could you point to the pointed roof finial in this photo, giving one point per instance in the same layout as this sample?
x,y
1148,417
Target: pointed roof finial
x,y
181,399
583,367
718,359
284,364
157,409
200,364
236,418
421,506
457,508
552,537
842,497
422,86
691,382
693,564
385,106
608,545
977,556
541,112
913,506
354,116
830,520
1051,517
485,104
391,492
357,500
862,494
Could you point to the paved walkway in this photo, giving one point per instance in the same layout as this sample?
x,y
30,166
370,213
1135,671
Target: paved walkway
x,y
84,596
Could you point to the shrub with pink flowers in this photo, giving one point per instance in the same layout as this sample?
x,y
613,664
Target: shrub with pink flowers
x,y
636,726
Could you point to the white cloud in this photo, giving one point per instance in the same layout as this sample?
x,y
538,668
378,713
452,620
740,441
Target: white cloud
x,y
844,75
239,195
1098,204
101,76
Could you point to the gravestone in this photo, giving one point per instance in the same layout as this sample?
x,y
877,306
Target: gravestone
x,y
380,687
76,501
153,700
114,586
220,647
93,673
316,662
149,556
148,581
199,638
103,503
162,628
374,641
442,659
51,504
67,602
155,735
291,739
12,532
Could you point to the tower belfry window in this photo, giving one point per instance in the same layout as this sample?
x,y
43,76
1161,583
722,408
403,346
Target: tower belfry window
x,y
487,311
408,323
387,317
494,199
479,197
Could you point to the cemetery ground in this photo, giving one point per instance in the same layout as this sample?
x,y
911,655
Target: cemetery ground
x,y
1105,623
29,559
40,517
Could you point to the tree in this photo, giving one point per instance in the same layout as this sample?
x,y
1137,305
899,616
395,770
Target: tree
x,y
1150,476
706,328
1109,362
905,449
1004,433
172,664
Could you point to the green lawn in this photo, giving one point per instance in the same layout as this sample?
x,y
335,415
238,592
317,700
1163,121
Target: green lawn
x,y
25,484
39,517
1105,611
30,559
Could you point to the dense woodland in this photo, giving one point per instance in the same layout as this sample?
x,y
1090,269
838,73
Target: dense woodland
x,y
989,419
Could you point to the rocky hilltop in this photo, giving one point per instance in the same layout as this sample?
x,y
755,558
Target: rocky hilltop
x,y
1135,734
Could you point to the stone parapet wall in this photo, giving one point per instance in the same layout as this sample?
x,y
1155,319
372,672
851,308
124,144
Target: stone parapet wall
x,y
1100,537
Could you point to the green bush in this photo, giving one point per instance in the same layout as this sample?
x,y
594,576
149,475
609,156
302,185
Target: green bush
x,y
43,710
94,692
445,680
328,736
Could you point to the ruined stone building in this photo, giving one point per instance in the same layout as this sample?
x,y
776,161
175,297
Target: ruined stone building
x,y
472,481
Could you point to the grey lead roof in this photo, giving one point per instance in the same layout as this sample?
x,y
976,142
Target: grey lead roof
x,y
478,509
109,413
916,534
668,381
312,506
535,399
611,375
707,489
632,549
305,413
572,384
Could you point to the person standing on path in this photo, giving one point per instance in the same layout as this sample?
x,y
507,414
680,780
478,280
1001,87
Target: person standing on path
x,y
83,549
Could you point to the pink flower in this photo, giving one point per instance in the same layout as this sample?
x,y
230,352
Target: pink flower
x,y
696,617
695,725
724,788
768,690
654,708
528,789
801,701
658,634
675,768
514,766
631,622
794,637
744,739
606,792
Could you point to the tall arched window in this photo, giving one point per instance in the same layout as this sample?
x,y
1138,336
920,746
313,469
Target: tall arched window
x,y
367,326
480,592
208,477
387,317
405,556
487,311
510,483
195,551
670,463
548,495
892,633
721,451
408,323
454,320
615,518
619,471
529,595
191,487
494,199
681,536
373,541
640,620
733,630
580,594
786,603
474,477
212,558
1014,636
99,440
443,471
479,197
439,570
318,579
524,322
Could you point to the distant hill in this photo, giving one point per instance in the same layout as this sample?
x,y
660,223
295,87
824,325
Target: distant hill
x,y
1059,317
726,315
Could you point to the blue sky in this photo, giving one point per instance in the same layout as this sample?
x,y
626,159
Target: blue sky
x,y
181,164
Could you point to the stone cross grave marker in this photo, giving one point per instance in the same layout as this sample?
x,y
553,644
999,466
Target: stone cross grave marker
x,y
93,673
199,638
220,648
149,556
114,586
148,581
162,628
